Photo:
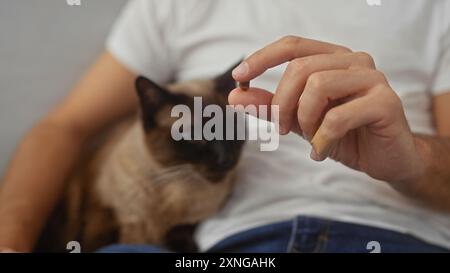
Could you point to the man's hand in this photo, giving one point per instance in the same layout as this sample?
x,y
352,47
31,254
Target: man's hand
x,y
339,101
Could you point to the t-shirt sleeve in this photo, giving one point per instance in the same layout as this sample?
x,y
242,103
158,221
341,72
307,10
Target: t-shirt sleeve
x,y
138,39
442,80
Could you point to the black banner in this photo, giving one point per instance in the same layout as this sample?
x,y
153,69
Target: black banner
x,y
218,262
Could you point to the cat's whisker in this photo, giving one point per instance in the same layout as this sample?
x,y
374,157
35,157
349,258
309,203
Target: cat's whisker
x,y
168,174
175,168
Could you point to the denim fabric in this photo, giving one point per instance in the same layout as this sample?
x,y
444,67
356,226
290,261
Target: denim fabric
x,y
308,235
122,248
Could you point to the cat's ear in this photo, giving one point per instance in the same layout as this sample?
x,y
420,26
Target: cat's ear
x,y
151,97
225,82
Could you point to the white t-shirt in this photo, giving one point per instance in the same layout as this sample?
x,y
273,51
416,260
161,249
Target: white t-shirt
x,y
410,42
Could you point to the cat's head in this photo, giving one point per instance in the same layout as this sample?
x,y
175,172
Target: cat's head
x,y
212,159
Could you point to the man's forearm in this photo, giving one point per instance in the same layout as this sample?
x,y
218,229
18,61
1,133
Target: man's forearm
x,y
34,182
433,188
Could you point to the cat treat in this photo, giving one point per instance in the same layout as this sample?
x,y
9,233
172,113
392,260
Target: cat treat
x,y
244,86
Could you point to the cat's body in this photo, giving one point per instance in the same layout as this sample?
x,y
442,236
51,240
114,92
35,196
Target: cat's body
x,y
142,187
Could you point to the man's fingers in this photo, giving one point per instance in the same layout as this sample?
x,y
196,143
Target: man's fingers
x,y
281,51
256,97
323,88
253,96
338,121
369,110
299,70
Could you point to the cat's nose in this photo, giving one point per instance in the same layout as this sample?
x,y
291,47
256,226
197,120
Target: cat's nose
x,y
224,163
223,159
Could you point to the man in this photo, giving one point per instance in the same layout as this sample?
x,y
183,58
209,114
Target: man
x,y
381,115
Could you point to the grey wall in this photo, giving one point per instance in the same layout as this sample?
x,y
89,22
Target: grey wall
x,y
45,46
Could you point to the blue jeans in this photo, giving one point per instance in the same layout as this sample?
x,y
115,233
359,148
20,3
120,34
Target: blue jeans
x,y
307,235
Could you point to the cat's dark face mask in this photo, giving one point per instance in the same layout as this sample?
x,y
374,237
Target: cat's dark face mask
x,y
214,158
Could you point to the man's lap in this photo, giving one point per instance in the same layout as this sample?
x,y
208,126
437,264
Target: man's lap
x,y
306,234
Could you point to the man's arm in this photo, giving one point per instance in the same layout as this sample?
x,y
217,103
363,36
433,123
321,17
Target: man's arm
x,y
434,187
47,155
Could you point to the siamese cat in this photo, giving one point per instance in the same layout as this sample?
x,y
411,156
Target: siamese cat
x,y
143,187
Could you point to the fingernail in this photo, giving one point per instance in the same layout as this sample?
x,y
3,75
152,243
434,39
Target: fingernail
x,y
241,70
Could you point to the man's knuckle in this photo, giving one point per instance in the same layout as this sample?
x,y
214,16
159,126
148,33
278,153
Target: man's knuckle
x,y
317,80
342,49
297,66
365,58
333,123
379,77
388,101
393,101
290,39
